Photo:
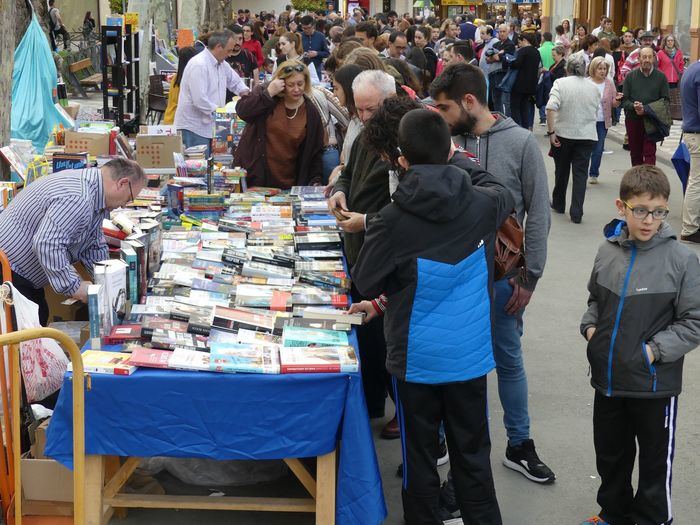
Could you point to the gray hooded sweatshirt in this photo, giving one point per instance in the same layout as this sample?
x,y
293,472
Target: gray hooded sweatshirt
x,y
513,156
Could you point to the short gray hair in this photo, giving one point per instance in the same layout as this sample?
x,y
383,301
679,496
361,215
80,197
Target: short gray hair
x,y
380,81
120,167
219,38
576,65
559,49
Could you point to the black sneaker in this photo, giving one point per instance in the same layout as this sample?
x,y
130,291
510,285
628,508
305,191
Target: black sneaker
x,y
524,459
448,501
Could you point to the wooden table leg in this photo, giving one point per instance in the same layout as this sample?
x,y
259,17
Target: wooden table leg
x,y
94,482
325,489
112,466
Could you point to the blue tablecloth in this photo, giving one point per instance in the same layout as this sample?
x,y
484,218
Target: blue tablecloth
x,y
231,416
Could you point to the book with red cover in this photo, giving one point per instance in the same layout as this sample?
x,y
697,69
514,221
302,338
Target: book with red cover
x,y
124,333
149,357
316,359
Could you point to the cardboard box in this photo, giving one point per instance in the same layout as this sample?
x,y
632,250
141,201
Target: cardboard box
x,y
72,109
46,480
40,440
93,143
156,151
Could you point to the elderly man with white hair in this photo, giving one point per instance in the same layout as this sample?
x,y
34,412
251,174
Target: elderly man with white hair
x,y
572,112
359,193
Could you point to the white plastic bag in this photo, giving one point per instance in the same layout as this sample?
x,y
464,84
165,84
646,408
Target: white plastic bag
x,y
43,361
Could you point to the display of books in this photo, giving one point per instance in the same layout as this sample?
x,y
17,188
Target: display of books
x,y
149,357
333,314
184,359
318,359
100,362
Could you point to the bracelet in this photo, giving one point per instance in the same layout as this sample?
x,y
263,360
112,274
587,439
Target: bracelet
x,y
550,133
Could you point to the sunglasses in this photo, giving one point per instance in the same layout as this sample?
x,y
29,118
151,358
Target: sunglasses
x,y
299,68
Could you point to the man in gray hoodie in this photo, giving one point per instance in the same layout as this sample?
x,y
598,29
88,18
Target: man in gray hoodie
x,y
512,155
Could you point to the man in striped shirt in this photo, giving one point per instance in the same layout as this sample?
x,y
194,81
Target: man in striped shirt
x,y
57,221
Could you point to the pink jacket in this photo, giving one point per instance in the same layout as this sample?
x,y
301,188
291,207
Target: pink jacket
x,y
608,100
666,65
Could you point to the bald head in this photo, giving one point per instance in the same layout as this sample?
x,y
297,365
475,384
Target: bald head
x,y
647,57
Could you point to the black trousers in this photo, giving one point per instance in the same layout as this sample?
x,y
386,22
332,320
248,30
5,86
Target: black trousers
x,y
63,33
520,109
462,406
573,156
372,348
617,422
36,295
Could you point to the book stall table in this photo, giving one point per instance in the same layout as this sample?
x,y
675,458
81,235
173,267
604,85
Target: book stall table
x,y
226,417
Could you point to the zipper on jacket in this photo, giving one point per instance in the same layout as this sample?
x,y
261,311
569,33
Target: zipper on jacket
x,y
618,316
652,368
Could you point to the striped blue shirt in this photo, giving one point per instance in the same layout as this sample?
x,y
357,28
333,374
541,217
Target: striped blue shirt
x,y
53,223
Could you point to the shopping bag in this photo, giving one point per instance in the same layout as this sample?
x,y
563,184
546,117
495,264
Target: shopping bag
x,y
681,161
42,361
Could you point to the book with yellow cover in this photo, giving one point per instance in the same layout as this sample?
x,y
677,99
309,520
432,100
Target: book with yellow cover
x,y
101,362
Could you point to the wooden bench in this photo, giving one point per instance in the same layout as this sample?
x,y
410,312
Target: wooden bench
x,y
83,74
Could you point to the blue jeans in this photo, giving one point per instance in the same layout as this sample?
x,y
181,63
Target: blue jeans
x,y
508,354
190,139
330,159
543,113
598,149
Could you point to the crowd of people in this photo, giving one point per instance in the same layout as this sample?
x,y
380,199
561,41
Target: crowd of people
x,y
422,131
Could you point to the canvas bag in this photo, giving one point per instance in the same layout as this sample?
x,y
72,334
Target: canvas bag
x,y
42,361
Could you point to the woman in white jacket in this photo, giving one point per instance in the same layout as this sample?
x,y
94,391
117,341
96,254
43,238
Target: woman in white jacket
x,y
572,112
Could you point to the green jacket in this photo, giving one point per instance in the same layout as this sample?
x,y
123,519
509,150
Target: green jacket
x,y
546,54
646,90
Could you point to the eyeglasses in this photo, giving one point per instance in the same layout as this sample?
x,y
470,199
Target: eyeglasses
x,y
641,214
131,192
298,68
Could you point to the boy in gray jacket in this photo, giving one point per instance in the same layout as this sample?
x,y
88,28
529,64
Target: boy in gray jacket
x,y
643,316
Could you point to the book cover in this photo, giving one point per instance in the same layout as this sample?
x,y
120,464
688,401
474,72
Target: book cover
x,y
295,336
157,322
183,359
125,333
200,322
129,256
149,357
169,340
111,274
233,319
318,359
318,324
255,338
142,262
99,362
341,316
96,314
244,358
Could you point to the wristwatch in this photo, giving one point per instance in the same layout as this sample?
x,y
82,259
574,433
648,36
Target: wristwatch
x,y
550,133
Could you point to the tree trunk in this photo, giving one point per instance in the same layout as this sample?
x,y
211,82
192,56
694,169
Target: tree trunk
x,y
7,60
24,16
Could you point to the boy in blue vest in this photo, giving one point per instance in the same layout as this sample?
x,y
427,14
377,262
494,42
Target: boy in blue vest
x,y
643,317
431,253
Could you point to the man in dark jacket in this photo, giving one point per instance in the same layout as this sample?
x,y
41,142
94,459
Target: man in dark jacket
x,y
642,86
360,192
314,43
501,49
431,253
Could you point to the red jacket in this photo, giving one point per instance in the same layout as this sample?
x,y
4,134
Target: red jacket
x,y
254,47
666,65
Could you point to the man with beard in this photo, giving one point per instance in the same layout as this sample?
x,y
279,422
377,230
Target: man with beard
x,y
642,86
241,60
513,156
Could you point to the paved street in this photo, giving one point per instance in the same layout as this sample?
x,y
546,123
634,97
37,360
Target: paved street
x,y
560,394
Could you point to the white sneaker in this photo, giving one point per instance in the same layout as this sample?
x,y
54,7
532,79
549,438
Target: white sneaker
x,y
592,180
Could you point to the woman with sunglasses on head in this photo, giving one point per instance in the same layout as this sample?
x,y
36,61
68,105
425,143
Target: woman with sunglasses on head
x,y
282,145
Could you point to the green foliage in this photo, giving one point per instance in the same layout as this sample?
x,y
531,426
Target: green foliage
x,y
308,5
116,6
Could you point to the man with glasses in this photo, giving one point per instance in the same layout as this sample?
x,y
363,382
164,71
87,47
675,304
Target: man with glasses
x,y
397,46
57,221
314,44
203,89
